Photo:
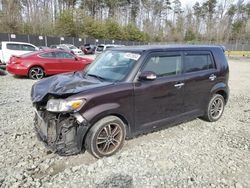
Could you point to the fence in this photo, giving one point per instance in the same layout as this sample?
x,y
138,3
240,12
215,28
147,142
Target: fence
x,y
48,40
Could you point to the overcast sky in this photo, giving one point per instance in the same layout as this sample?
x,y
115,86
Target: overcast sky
x,y
189,2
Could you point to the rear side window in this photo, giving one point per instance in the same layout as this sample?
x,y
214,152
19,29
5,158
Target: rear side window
x,y
164,65
48,55
14,46
0,46
64,55
26,47
197,62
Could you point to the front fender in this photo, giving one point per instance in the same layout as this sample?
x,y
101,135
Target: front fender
x,y
96,113
92,115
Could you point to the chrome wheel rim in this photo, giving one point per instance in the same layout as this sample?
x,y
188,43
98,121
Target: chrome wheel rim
x,y
36,73
216,108
109,138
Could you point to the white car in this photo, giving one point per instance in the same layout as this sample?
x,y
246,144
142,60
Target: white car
x,y
71,48
102,47
7,49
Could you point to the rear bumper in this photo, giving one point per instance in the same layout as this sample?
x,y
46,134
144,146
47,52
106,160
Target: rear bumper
x,y
17,69
60,133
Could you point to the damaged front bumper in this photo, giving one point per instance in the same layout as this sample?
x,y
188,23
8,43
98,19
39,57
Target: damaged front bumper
x,y
62,133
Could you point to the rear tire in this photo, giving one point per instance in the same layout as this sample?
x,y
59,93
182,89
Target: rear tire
x,y
106,137
215,108
36,73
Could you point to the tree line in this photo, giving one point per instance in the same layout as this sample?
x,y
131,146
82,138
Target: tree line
x,y
134,20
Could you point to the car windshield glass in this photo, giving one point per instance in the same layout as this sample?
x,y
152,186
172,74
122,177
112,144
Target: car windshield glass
x,y
112,66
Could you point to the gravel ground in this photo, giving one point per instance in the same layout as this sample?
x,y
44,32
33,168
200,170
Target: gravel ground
x,y
193,154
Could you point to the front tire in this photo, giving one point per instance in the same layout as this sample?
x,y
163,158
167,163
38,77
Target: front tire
x,y
106,137
36,73
215,108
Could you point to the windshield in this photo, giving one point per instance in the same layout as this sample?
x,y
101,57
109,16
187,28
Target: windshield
x,y
112,65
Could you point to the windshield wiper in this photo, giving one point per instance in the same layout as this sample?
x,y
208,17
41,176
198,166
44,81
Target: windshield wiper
x,y
96,76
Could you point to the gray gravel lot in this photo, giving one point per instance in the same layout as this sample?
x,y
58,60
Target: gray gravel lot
x,y
193,154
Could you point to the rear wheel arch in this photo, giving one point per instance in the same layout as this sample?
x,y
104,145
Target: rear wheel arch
x,y
36,66
221,89
223,93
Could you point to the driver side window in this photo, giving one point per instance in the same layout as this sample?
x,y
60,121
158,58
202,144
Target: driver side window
x,y
164,65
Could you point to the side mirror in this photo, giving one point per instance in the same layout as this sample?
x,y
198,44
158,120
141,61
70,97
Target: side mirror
x,y
76,58
147,75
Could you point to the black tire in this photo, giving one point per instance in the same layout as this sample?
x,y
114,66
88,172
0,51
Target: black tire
x,y
105,137
36,73
215,108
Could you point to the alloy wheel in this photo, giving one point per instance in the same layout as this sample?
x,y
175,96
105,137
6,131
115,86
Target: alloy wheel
x,y
216,108
109,138
36,73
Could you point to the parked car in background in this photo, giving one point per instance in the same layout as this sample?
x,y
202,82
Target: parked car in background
x,y
102,47
88,48
127,92
36,65
54,46
7,49
71,48
43,47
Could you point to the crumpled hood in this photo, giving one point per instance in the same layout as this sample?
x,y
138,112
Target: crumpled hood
x,y
63,85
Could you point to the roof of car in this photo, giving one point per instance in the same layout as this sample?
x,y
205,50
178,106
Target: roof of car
x,y
107,45
13,42
66,45
53,50
165,47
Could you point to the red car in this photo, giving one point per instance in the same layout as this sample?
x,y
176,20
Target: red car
x,y
37,64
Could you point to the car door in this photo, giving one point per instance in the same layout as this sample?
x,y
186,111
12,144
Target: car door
x,y
49,62
67,62
200,76
159,100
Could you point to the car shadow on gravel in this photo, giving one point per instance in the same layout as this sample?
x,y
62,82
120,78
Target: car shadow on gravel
x,y
59,165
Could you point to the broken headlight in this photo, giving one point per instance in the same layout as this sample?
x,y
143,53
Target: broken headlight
x,y
64,105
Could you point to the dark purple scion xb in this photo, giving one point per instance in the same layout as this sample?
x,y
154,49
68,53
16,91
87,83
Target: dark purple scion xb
x,y
129,91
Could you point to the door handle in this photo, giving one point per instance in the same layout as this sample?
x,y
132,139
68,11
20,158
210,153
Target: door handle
x,y
179,85
212,77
